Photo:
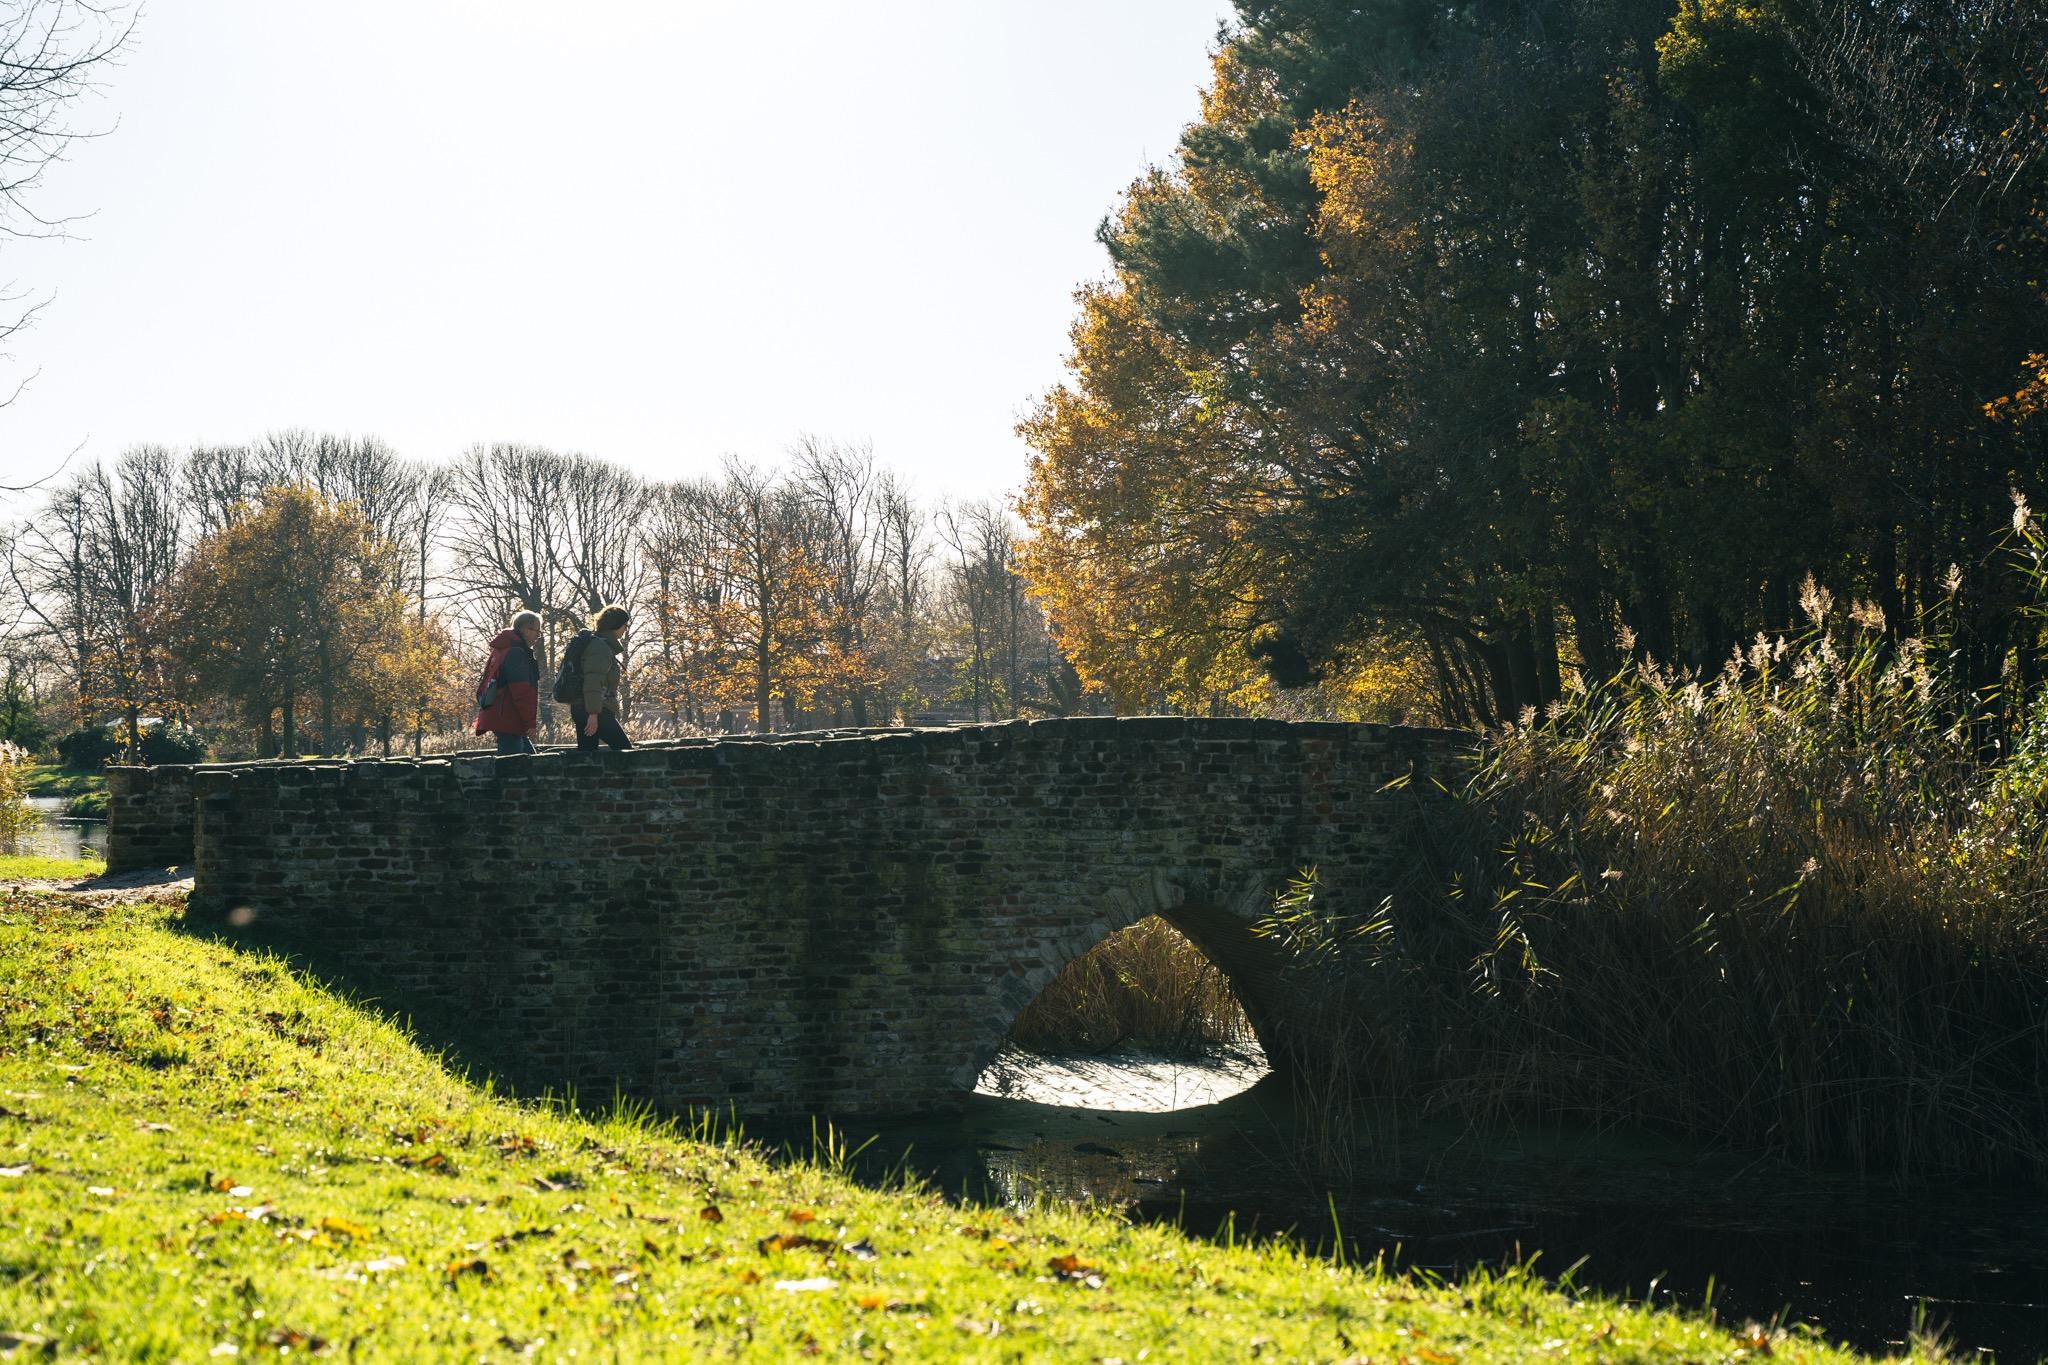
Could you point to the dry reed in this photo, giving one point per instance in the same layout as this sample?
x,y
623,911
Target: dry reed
x,y
1146,986
1796,908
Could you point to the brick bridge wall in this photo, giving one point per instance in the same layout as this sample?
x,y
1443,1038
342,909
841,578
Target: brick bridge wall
x,y
796,925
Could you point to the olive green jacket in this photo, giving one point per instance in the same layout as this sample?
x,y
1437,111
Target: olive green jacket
x,y
601,675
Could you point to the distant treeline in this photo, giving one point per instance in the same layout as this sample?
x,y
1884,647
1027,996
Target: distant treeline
x,y
1466,345
315,592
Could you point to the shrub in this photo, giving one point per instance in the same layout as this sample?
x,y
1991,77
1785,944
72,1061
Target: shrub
x,y
87,748
173,744
15,813
1793,908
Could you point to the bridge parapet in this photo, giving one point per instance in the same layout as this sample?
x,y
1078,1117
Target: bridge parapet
x,y
841,923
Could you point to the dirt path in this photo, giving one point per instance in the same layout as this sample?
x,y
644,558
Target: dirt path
x,y
153,885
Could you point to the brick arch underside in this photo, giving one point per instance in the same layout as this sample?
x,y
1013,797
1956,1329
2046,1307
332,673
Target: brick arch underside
x,y
1220,925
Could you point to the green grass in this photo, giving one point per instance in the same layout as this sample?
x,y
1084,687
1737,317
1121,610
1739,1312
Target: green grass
x,y
48,779
30,868
199,1149
87,805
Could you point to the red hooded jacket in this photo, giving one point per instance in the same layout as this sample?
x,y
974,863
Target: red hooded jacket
x,y
515,709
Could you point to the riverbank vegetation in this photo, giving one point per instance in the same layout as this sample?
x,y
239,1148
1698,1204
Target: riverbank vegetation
x,y
1796,907
203,1154
52,779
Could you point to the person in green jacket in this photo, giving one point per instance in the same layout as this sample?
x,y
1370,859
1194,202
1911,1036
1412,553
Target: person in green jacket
x,y
596,713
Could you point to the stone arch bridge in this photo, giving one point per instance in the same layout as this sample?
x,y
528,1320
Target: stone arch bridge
x,y
843,923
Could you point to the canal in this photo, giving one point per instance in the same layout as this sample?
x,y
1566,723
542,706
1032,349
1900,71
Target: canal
x,y
1216,1147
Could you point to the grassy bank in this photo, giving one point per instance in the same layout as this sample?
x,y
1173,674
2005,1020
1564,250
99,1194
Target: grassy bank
x,y
202,1154
34,868
47,779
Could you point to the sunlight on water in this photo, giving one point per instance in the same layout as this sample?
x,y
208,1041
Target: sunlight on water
x,y
1132,1082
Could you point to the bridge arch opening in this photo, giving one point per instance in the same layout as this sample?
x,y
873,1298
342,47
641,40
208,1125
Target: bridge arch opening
x,y
1142,1022
1162,997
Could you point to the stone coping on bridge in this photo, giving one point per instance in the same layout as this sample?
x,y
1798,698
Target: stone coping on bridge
x,y
151,817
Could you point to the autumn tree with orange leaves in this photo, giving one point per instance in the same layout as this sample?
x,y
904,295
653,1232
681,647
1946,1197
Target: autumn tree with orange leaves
x,y
296,610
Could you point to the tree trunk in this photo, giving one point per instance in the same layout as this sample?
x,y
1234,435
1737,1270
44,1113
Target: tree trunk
x,y
327,745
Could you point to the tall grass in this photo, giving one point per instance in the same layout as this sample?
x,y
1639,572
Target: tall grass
x,y
1146,986
1797,907
15,814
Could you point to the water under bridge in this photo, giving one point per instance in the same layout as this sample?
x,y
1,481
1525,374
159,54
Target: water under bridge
x,y
842,923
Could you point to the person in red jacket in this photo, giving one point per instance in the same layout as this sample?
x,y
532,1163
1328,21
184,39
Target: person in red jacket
x,y
508,697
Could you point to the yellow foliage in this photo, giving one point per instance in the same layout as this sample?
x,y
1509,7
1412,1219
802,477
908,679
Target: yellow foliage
x,y
1139,554
2029,400
1357,163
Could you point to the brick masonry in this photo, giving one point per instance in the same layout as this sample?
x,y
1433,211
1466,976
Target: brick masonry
x,y
838,924
149,817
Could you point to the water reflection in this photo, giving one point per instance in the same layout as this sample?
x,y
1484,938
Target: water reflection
x,y
58,835
1652,1219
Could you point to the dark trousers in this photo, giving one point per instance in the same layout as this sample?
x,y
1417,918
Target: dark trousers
x,y
513,744
608,730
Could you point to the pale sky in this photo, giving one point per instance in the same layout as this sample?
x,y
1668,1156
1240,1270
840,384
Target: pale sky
x,y
653,232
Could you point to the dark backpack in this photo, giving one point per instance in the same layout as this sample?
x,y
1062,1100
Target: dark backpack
x,y
487,692
569,677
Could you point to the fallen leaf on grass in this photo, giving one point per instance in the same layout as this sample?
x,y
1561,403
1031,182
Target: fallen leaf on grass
x,y
225,1348
710,1214
801,1216
517,1145
476,1266
310,1236
874,1302
355,1232
1072,1269
988,1235
162,1128
793,1241
811,1286
261,1213
101,1191
15,1172
10,1342
292,1339
433,1161
358,1272
225,1184
504,1241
